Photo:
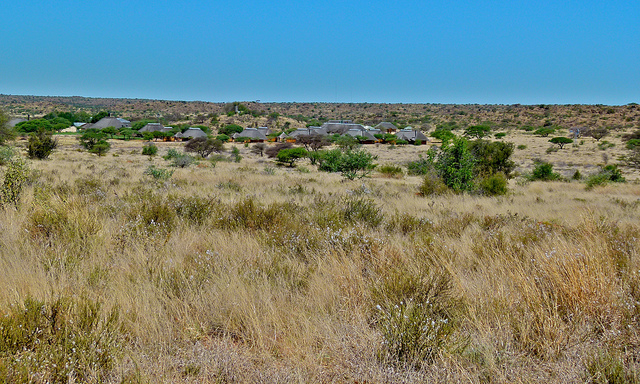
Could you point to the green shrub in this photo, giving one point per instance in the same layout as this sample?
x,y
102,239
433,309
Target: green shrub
x,y
415,314
290,155
521,146
150,149
543,170
15,178
456,165
577,175
41,144
432,184
172,154
609,173
158,173
390,170
182,161
494,185
6,154
363,210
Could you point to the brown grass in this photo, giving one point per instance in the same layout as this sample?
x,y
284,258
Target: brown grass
x,y
234,274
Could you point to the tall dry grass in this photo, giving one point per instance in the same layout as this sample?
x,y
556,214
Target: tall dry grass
x,y
244,272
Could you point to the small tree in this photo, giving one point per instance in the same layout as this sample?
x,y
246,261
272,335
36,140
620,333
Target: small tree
x,y
544,132
230,129
272,152
561,141
291,155
41,144
111,131
598,133
127,133
204,146
101,147
456,166
477,131
91,137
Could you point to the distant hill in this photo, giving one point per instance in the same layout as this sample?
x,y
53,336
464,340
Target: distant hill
x,y
421,116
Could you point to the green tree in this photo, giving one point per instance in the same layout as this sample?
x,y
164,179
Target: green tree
x,y
351,164
443,135
33,126
150,150
41,144
100,148
544,132
111,131
99,116
346,142
456,166
291,155
477,131
492,157
561,141
230,129
127,133
91,137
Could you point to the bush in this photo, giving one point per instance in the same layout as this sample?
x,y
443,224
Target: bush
x,y
182,161
159,173
456,166
15,179
494,185
41,144
150,150
6,154
432,184
543,171
609,173
390,170
492,157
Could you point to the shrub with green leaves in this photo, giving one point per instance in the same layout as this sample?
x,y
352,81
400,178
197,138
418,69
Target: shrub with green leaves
x,y
291,155
41,144
159,173
455,166
15,178
494,185
390,170
6,154
543,170
150,150
609,173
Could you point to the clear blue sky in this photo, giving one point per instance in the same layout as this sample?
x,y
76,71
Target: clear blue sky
x,y
486,52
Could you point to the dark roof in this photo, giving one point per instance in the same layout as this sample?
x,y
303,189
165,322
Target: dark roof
x,y
362,133
385,126
336,127
252,133
191,133
109,122
411,135
152,127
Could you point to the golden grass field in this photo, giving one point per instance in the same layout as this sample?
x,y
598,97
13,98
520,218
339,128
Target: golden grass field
x,y
249,272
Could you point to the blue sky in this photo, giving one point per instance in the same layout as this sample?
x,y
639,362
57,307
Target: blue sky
x,y
486,52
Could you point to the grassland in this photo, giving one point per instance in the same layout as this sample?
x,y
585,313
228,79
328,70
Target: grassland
x,y
247,272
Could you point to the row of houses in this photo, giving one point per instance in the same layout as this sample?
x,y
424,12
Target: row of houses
x,y
366,135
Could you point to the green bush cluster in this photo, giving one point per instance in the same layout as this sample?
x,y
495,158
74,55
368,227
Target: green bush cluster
x,y
41,144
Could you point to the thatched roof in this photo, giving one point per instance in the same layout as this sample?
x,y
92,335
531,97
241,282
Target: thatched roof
x,y
362,133
411,135
109,122
151,127
311,131
254,134
386,127
191,133
338,127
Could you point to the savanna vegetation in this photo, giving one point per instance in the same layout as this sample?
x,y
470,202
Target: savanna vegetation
x,y
482,260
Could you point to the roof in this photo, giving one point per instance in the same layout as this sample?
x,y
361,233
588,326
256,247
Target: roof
x,y
337,127
109,122
411,135
362,133
385,126
152,127
13,122
191,133
252,133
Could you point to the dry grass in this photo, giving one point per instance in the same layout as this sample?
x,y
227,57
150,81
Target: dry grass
x,y
236,274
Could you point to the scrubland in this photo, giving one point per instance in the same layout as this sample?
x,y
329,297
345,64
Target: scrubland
x,y
247,272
